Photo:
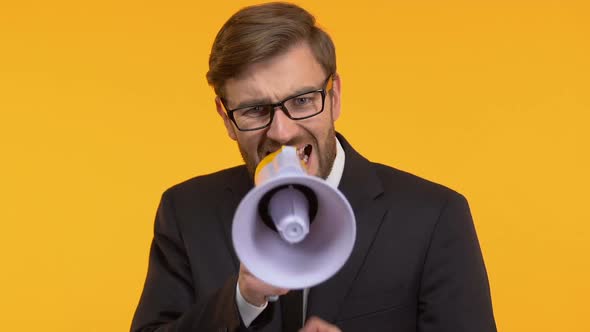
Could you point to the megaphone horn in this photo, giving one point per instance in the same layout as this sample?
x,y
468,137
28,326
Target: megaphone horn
x,y
292,230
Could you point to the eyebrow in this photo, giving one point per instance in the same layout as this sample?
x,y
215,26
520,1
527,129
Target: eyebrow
x,y
266,101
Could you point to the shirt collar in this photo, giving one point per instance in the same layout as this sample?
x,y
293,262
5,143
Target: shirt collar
x,y
335,175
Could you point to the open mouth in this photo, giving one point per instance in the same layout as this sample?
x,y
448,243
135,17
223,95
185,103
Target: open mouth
x,y
304,152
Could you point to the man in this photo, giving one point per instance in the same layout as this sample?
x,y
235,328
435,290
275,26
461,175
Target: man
x,y
416,264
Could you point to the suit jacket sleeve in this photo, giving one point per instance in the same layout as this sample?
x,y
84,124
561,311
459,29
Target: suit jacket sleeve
x,y
454,294
169,301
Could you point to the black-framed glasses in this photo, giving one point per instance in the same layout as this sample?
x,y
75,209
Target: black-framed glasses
x,y
301,106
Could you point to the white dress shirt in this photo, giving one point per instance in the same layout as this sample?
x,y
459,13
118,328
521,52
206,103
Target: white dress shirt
x,y
248,311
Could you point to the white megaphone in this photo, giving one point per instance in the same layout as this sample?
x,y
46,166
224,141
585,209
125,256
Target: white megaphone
x,y
292,230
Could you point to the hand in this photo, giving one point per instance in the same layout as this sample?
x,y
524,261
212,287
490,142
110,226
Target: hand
x,y
255,290
315,324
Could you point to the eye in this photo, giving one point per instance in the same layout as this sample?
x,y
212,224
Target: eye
x,y
255,111
301,101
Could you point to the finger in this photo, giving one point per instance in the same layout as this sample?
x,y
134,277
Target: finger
x,y
263,287
315,324
270,289
256,290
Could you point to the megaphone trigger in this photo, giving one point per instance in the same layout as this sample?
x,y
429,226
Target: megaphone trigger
x,y
272,298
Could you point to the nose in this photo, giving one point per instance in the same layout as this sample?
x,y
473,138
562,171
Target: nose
x,y
282,129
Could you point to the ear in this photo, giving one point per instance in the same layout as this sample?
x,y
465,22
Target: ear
x,y
336,96
229,126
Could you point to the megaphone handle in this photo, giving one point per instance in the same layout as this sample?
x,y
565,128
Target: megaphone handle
x,y
272,298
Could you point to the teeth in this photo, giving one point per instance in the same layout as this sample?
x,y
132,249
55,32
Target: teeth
x,y
301,154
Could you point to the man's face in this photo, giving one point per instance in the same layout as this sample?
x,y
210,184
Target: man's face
x,y
272,81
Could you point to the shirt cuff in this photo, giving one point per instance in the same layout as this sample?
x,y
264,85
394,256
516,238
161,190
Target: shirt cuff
x,y
248,311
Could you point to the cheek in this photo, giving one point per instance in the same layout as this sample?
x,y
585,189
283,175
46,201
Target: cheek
x,y
323,130
249,142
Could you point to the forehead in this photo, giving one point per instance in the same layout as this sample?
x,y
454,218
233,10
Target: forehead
x,y
277,78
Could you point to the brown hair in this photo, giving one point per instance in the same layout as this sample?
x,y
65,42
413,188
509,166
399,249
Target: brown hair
x,y
260,32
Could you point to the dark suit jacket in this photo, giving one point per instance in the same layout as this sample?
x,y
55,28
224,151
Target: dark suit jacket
x,y
416,264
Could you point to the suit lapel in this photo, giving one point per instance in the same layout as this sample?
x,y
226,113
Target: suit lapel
x,y
239,183
361,187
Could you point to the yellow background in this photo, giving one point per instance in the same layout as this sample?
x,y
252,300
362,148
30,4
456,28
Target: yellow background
x,y
104,104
